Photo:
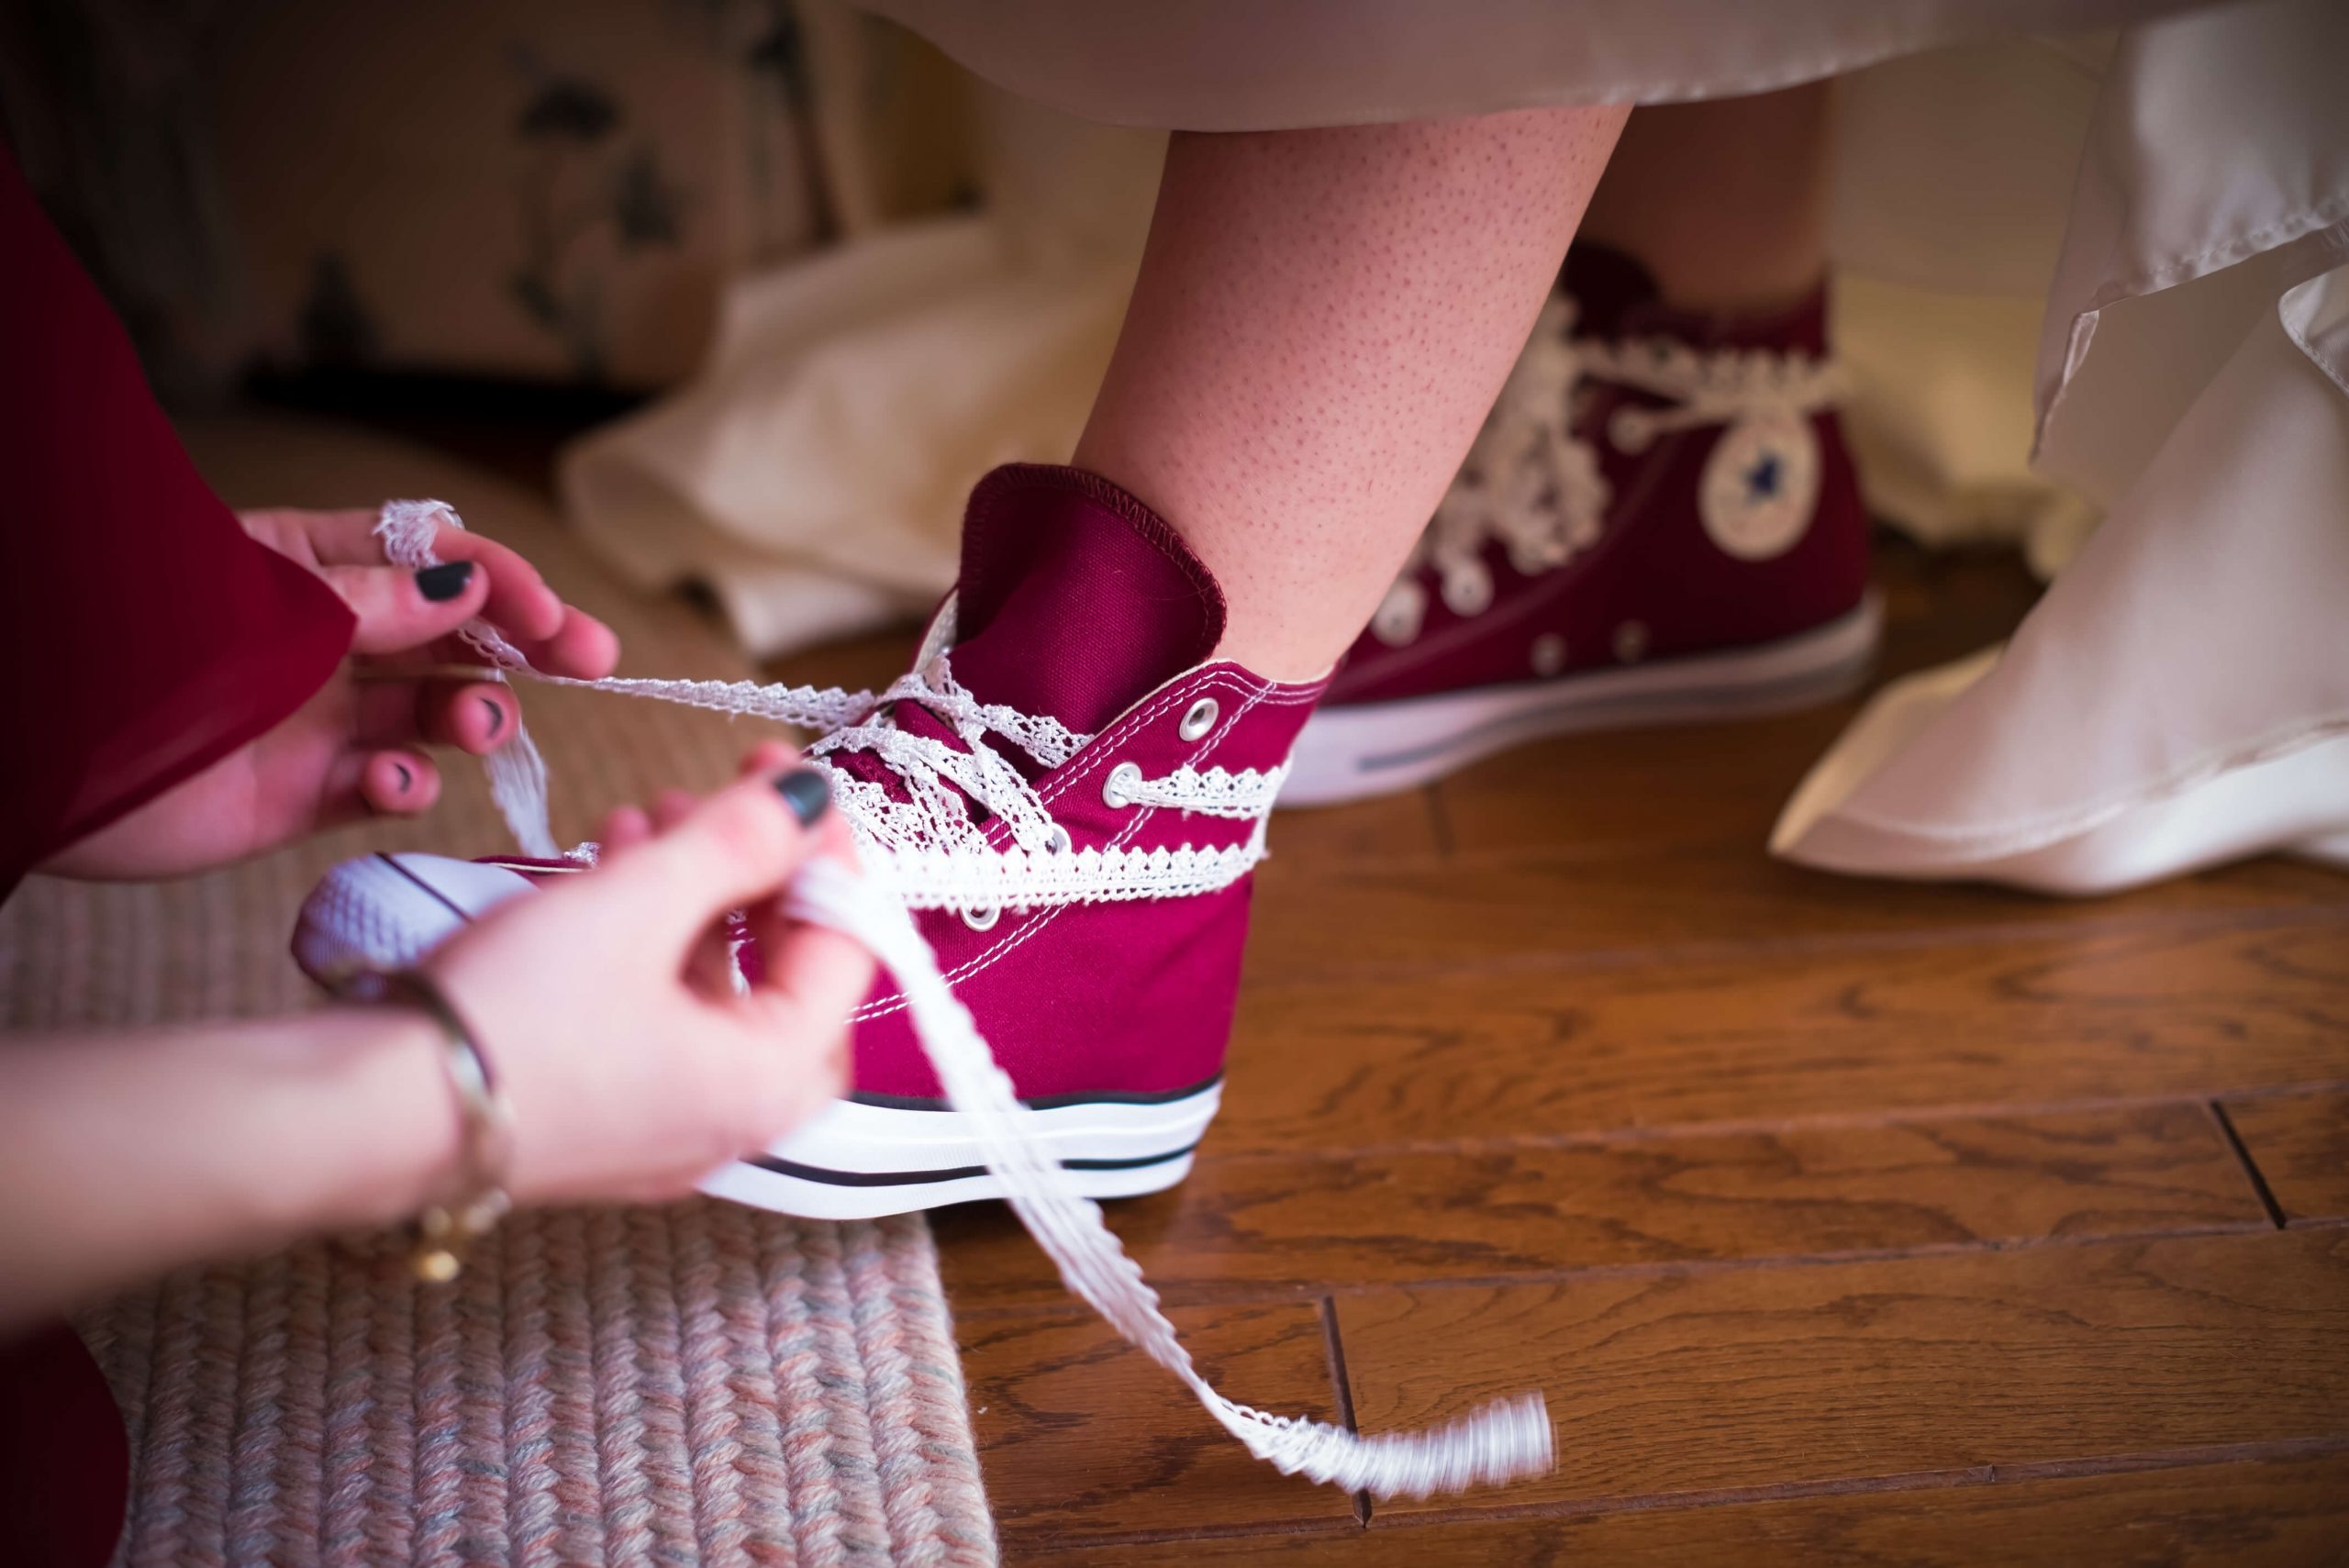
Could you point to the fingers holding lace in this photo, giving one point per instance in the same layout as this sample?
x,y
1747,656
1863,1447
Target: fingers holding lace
x,y
805,969
477,716
623,829
583,648
398,782
731,849
767,758
400,610
518,601
666,1066
441,705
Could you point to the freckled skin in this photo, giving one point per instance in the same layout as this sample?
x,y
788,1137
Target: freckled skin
x,y
1321,321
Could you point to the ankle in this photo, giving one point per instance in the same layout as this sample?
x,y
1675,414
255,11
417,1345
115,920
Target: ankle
x,y
1291,606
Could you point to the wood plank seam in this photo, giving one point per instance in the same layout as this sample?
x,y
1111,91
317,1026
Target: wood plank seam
x,y
1813,1121
2159,923
1342,1389
2250,1167
1439,832
1992,1474
1676,1268
1036,1542
2286,1091
2300,1145
1983,1476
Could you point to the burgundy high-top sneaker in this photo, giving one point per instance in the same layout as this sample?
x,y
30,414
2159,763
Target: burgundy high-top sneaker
x,y
1658,523
1070,793
1087,790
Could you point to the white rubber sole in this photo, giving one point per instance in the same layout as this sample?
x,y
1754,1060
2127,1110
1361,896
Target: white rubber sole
x,y
853,1159
382,913
1360,750
859,1160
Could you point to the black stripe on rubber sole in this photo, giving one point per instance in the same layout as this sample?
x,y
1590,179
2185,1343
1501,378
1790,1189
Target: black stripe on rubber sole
x,y
925,1178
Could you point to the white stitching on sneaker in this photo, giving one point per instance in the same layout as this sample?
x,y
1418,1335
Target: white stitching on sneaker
x,y
1499,1441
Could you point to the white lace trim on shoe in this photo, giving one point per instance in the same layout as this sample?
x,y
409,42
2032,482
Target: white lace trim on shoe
x,y
923,842
1214,793
935,856
1716,387
1499,1441
1533,486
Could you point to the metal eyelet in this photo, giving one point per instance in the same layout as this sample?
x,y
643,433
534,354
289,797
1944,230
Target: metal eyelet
x,y
1199,720
1058,843
1549,654
981,919
1631,642
1468,593
1122,777
1400,613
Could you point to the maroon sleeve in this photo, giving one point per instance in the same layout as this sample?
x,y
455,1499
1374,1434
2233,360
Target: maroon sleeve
x,y
143,636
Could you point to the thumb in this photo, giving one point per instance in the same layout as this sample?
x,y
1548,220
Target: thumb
x,y
399,610
734,849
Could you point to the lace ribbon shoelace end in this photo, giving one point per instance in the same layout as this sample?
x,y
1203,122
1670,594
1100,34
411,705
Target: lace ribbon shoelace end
x,y
1501,1442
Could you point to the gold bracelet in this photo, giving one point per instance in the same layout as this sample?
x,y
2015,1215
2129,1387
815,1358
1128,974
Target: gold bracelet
x,y
478,1199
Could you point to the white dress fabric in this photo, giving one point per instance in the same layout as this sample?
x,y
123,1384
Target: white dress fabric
x,y
811,474
2180,697
1250,65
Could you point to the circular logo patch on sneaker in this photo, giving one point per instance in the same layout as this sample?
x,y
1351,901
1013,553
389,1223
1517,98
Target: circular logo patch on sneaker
x,y
1760,486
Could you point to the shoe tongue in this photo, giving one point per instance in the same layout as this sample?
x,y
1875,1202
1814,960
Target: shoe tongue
x,y
1075,600
1615,298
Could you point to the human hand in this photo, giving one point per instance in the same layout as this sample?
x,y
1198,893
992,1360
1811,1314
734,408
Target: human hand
x,y
351,749
607,1004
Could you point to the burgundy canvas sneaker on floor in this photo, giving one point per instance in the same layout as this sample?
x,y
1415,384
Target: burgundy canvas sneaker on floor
x,y
1659,523
1070,793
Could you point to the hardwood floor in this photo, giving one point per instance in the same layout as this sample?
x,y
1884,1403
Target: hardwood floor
x,y
1840,1222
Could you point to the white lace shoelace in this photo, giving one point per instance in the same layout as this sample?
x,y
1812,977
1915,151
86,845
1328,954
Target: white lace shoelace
x,y
925,851
1536,487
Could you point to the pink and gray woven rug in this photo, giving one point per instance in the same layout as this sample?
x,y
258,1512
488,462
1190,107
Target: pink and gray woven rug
x,y
699,1384
689,1385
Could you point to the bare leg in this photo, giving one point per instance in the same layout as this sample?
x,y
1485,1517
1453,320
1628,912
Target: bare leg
x,y
1725,202
1321,321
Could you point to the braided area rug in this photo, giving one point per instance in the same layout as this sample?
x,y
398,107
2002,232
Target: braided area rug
x,y
701,1384
694,1384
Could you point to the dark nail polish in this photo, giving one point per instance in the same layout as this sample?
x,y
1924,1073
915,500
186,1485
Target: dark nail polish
x,y
407,779
805,790
497,715
443,582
